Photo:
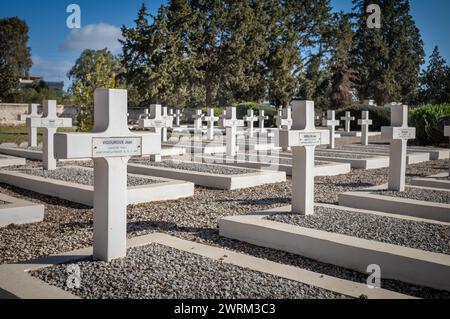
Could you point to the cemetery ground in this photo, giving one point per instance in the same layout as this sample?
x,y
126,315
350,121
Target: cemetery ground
x,y
175,273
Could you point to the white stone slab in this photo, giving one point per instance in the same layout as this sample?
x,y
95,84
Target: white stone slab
x,y
6,160
400,263
366,199
35,155
219,181
19,211
84,194
433,181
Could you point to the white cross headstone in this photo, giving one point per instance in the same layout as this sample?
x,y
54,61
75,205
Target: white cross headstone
x,y
347,118
178,115
287,118
303,139
261,119
144,115
250,119
32,131
365,122
211,119
110,145
168,122
50,122
398,133
330,122
198,120
222,118
231,123
447,133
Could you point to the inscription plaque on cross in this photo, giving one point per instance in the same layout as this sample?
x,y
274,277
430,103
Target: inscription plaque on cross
x,y
250,119
330,122
261,119
211,119
303,139
447,133
347,119
50,122
398,133
178,115
198,121
365,122
231,123
32,131
110,145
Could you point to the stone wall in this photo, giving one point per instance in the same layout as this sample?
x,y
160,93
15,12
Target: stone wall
x,y
10,113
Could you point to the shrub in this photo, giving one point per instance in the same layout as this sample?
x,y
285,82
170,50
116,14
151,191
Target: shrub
x,y
429,121
378,114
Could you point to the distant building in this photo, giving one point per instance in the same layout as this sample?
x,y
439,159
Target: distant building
x,y
34,80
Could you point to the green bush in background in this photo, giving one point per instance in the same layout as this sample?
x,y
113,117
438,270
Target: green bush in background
x,y
381,116
429,121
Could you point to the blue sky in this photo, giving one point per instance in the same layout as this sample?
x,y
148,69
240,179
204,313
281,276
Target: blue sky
x,y
55,47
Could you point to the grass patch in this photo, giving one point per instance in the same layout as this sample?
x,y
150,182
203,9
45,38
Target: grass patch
x,y
19,133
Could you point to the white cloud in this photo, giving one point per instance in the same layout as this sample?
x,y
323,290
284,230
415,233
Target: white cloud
x,y
94,37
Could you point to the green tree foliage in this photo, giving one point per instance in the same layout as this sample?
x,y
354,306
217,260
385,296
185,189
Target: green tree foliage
x,y
15,56
435,80
387,59
93,69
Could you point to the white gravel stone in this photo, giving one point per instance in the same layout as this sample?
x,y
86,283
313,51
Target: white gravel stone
x,y
428,195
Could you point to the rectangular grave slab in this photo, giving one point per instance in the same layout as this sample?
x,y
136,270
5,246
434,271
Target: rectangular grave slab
x,y
147,189
31,153
282,165
418,203
361,161
6,160
406,264
441,180
214,176
435,152
356,134
17,279
19,211
412,157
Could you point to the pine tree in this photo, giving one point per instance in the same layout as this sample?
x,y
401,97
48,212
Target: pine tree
x,y
435,80
387,59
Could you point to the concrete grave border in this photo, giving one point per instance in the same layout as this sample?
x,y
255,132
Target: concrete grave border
x,y
435,153
169,189
7,160
364,199
19,211
33,155
400,263
16,282
227,182
432,182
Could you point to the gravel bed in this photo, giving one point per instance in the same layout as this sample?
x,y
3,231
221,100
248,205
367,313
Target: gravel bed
x,y
81,176
197,167
428,195
68,226
344,155
157,271
419,235
372,150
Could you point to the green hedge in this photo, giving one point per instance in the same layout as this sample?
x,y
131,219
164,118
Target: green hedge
x,y
429,121
380,116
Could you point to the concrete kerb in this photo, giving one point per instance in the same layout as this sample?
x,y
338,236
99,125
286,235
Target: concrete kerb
x,y
19,211
400,263
366,199
168,189
434,181
7,160
227,182
16,281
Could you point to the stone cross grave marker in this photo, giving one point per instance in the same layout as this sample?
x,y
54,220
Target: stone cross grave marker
x,y
303,139
279,118
365,122
398,133
261,119
32,131
222,118
211,119
178,115
250,119
110,145
231,123
50,122
287,118
144,115
198,121
447,133
330,122
347,118
168,122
